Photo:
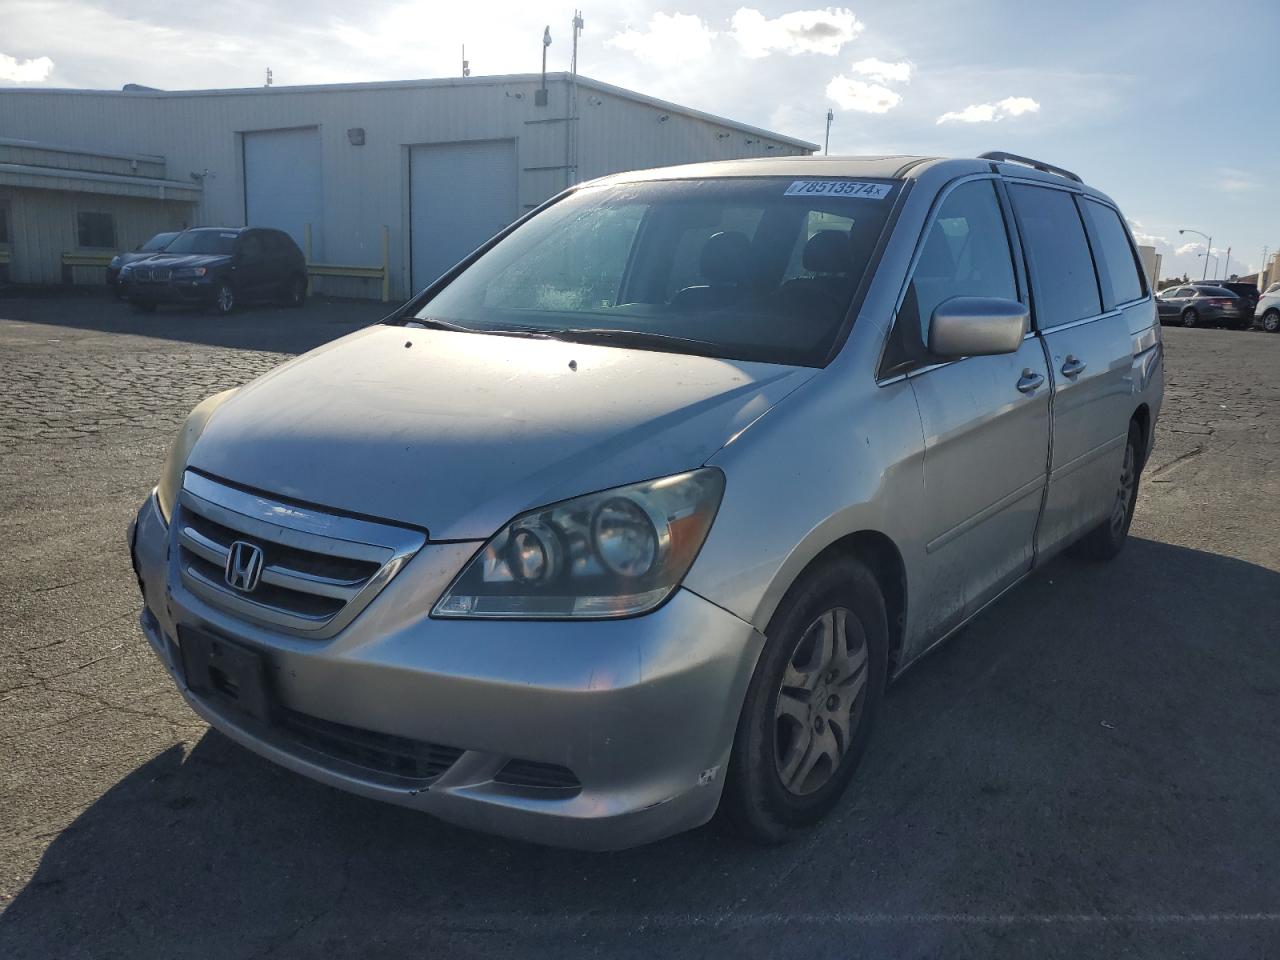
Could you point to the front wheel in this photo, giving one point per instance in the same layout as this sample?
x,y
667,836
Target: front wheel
x,y
1108,539
224,298
1190,318
1271,321
811,704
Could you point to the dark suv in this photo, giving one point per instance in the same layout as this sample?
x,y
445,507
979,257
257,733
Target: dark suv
x,y
220,267
1247,292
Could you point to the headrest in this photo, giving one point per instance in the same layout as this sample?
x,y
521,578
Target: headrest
x,y
725,257
828,251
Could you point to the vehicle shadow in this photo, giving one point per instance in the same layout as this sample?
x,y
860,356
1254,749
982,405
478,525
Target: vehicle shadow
x,y
266,326
1102,742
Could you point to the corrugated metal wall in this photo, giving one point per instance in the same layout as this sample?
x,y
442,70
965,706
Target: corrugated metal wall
x,y
366,186
42,226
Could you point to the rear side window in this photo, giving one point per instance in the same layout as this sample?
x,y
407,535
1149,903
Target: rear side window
x,y
965,254
1063,277
1116,255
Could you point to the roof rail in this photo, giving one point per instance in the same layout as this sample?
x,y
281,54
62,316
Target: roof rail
x,y
999,156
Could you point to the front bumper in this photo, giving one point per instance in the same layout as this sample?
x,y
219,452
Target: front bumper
x,y
642,710
200,290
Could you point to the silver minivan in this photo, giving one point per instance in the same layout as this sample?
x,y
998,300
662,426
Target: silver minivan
x,y
632,515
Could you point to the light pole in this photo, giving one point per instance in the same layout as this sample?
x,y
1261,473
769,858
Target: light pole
x,y
1206,264
826,144
1210,247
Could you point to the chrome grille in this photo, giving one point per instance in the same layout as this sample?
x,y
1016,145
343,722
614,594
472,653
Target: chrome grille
x,y
318,570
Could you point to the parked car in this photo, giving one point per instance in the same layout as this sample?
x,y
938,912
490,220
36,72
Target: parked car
x,y
220,267
1268,309
634,514
141,252
1199,305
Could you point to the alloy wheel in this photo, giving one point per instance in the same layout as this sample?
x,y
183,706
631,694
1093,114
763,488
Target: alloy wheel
x,y
226,298
1125,493
1189,318
1271,322
820,702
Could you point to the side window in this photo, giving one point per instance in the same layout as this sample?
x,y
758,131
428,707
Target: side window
x,y
251,246
965,254
1116,255
1063,276
96,230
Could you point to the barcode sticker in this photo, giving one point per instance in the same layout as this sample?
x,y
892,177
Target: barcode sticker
x,y
838,188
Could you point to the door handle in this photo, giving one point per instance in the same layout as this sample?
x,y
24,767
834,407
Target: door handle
x,y
1073,367
1030,380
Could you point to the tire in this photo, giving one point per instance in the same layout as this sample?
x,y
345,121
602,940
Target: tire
x,y
224,298
1271,321
1189,317
1106,541
295,294
810,707
143,306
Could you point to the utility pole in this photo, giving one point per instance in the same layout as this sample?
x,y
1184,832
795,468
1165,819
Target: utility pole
x,y
466,67
826,143
1226,271
268,83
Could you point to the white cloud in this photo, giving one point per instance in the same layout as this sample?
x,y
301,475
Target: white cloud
x,y
883,72
1233,180
1146,239
991,112
850,94
801,31
670,40
1187,248
34,70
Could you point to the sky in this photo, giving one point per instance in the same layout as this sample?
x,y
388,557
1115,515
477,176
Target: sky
x,y
1170,107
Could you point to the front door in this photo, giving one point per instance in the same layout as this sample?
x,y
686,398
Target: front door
x,y
985,419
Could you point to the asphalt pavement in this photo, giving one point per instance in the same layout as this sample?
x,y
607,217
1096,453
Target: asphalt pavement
x,y
1092,768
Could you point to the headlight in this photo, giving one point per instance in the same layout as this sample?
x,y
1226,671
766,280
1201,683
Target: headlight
x,y
190,273
615,553
171,480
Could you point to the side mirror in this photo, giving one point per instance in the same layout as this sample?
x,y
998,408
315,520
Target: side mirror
x,y
977,327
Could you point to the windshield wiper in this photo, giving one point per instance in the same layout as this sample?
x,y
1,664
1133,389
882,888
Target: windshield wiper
x,y
637,337
432,323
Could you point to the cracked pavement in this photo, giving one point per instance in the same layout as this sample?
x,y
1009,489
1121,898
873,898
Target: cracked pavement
x,y
1088,768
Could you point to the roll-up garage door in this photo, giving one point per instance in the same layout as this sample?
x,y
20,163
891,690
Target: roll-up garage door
x,y
282,182
460,195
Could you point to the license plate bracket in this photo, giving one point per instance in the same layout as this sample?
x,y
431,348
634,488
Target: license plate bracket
x,y
219,670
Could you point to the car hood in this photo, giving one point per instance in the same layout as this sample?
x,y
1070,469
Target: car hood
x,y
177,261
133,256
460,432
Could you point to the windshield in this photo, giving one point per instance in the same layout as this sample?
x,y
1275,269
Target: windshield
x,y
158,242
747,269
204,241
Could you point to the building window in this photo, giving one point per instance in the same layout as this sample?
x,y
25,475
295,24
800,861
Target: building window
x,y
4,225
96,230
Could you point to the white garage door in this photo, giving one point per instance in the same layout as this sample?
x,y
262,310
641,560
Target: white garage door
x,y
460,195
282,182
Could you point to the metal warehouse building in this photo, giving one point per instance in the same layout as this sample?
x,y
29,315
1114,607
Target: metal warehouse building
x,y
384,185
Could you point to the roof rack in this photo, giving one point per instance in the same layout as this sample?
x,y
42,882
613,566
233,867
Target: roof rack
x,y
999,156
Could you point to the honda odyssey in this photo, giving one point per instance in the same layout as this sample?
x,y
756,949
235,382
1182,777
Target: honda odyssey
x,y
632,515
